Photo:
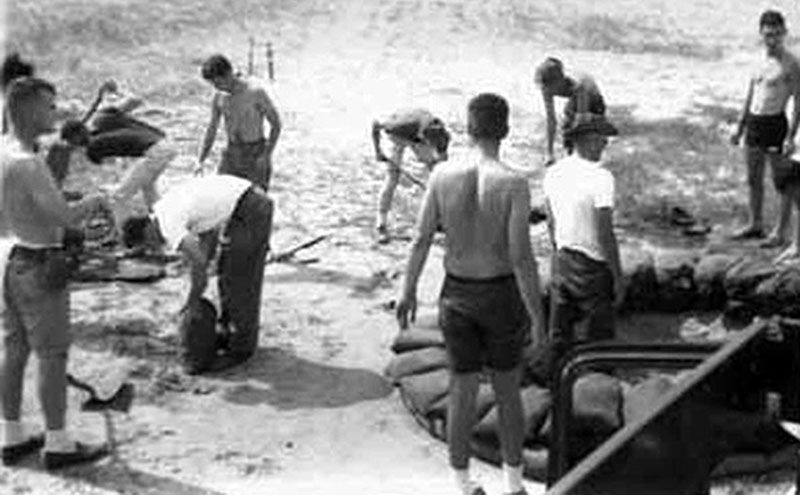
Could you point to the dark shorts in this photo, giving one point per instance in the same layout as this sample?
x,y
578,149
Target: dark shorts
x,y
581,300
766,132
484,322
786,174
241,160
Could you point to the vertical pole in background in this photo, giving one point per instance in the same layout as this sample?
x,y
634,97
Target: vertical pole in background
x,y
270,62
250,56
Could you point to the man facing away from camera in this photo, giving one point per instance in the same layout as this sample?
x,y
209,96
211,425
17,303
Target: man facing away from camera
x,y
35,281
490,305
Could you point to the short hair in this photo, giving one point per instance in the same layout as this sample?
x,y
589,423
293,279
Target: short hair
x,y
436,134
549,71
771,18
21,92
487,117
14,68
134,231
75,132
216,65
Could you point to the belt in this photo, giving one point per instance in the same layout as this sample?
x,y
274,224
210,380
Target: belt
x,y
489,280
34,254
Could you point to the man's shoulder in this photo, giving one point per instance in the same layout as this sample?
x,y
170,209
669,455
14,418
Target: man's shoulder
x,y
791,61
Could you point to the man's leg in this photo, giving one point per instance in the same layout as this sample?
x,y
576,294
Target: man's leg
x,y
793,251
386,194
15,358
249,232
512,425
780,233
460,422
754,159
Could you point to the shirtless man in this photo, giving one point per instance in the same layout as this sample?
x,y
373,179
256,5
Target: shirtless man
x,y
491,292
768,136
582,93
417,129
36,295
244,107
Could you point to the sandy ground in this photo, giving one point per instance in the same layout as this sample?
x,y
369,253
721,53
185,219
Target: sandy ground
x,y
311,411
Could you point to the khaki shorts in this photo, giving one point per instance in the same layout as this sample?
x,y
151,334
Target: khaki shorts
x,y
37,301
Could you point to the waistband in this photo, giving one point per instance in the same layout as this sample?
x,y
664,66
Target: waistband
x,y
248,143
770,116
19,252
481,281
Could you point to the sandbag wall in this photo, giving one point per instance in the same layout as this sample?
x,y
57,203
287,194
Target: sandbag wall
x,y
662,281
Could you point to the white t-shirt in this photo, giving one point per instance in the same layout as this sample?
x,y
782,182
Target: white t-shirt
x,y
575,189
198,205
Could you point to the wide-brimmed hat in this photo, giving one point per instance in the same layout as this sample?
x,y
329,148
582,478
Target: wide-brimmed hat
x,y
588,123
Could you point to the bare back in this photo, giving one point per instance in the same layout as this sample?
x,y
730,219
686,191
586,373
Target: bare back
x,y
474,202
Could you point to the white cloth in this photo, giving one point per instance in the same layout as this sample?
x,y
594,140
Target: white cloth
x,y
198,205
575,188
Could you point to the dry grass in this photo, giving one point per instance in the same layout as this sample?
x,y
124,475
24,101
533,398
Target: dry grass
x,y
340,62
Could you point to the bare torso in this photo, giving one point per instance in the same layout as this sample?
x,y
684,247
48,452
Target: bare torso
x,y
474,209
243,112
19,211
773,84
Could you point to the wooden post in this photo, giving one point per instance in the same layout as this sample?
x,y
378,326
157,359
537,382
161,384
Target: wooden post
x,y
270,62
250,56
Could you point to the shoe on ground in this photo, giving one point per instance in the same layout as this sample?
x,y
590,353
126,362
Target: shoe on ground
x,y
13,454
229,360
772,242
82,454
748,233
382,234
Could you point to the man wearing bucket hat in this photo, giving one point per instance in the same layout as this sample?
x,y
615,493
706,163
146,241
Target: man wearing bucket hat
x,y
579,197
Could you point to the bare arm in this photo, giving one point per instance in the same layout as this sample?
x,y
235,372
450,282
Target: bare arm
x,y
211,131
550,115
793,124
610,248
376,141
526,272
426,227
273,119
192,248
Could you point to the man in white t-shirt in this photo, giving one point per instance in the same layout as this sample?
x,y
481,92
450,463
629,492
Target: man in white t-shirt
x,y
579,197
187,219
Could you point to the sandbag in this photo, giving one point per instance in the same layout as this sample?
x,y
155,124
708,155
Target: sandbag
x,y
417,338
779,294
415,362
424,390
198,336
743,277
484,401
536,404
709,278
